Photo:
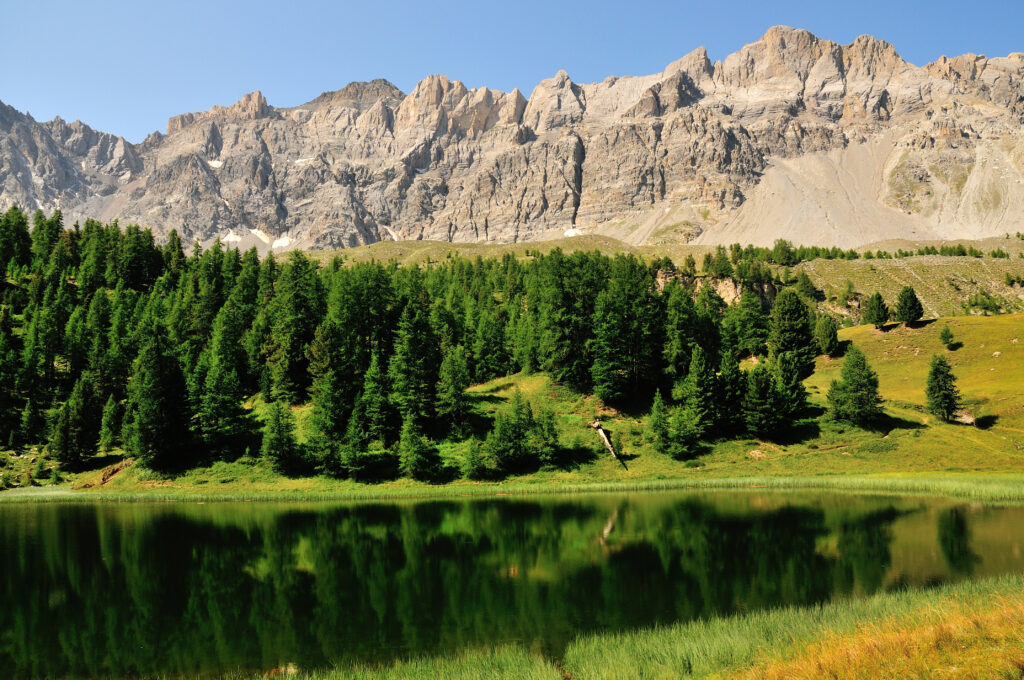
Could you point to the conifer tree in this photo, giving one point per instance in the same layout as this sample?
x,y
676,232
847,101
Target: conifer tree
x,y
792,395
220,409
941,390
826,335
279,445
452,402
658,421
908,307
110,424
685,428
730,388
294,314
790,331
76,426
156,415
875,311
416,456
854,397
763,410
333,363
946,337
680,330
697,394
413,367
745,325
373,418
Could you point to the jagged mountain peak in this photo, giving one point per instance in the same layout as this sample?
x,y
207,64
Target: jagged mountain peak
x,y
790,136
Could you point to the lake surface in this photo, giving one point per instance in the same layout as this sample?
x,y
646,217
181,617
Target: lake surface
x,y
100,590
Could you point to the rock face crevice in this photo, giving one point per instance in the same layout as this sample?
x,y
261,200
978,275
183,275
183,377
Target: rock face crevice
x,y
792,136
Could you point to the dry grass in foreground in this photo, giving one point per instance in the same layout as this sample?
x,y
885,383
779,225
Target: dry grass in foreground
x,y
958,643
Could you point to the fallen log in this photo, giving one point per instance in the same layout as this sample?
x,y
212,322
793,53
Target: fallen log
x,y
607,442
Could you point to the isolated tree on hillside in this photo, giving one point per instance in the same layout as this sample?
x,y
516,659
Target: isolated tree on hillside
x,y
908,307
657,421
875,311
946,337
792,395
941,390
854,397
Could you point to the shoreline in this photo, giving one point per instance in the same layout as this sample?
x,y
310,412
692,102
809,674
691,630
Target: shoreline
x,y
995,488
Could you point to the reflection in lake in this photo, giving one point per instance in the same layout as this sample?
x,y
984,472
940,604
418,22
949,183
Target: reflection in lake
x,y
114,590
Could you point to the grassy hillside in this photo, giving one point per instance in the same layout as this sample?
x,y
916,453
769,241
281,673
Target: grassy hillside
x,y
989,365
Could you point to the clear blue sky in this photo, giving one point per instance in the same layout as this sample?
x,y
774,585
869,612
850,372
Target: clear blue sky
x,y
125,67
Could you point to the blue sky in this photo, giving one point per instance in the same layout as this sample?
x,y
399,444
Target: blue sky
x,y
125,67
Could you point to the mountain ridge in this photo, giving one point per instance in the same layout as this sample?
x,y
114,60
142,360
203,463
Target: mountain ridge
x,y
792,136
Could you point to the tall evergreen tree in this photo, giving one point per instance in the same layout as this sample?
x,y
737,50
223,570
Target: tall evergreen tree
x,y
793,396
697,394
826,335
680,330
730,388
658,422
279,445
294,312
790,331
156,415
875,311
452,405
745,325
333,363
908,307
220,409
373,418
417,457
76,425
854,397
110,424
763,410
413,367
628,327
941,391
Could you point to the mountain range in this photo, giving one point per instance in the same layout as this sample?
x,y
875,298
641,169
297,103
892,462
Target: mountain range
x,y
790,137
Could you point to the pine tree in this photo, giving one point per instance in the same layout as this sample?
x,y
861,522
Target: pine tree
x,y
110,425
333,363
875,311
294,313
417,458
156,429
763,410
279,445
680,330
628,326
413,367
76,426
946,337
452,402
373,417
941,390
697,393
790,331
220,404
908,307
685,429
730,387
658,421
793,396
745,326
826,335
854,397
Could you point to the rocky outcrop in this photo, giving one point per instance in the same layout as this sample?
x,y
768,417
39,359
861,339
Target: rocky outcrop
x,y
792,136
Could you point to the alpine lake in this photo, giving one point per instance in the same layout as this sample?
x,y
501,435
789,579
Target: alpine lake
x,y
116,590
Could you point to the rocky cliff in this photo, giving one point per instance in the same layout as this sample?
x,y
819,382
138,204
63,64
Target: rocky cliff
x,y
792,136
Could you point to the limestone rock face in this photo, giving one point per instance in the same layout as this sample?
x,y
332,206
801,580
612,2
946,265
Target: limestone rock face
x,y
790,137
